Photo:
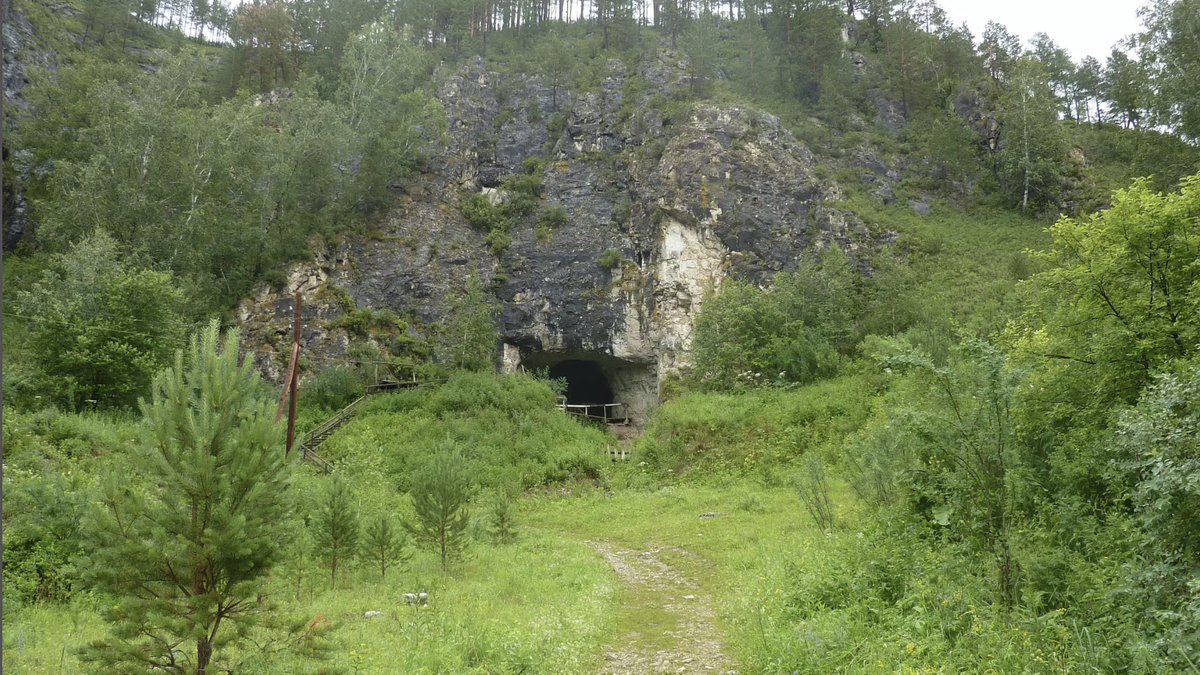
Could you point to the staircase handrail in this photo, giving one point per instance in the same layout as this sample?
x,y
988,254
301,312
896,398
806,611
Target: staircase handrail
x,y
333,422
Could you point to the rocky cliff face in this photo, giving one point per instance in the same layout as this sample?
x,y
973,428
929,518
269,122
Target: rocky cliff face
x,y
687,197
22,51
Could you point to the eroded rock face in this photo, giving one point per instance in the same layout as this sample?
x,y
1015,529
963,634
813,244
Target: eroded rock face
x,y
21,53
686,201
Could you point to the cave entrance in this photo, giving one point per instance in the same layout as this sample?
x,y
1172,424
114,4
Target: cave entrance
x,y
586,382
599,386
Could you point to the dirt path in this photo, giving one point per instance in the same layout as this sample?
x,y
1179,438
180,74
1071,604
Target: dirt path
x,y
666,621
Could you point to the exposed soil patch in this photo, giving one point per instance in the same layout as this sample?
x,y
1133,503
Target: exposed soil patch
x,y
666,620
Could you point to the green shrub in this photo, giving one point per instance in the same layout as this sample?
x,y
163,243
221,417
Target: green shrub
x,y
506,427
333,387
498,241
610,259
336,529
790,333
480,213
552,216
524,192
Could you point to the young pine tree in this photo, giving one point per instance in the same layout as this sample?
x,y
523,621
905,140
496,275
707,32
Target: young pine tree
x,y
503,525
183,536
385,545
335,527
440,492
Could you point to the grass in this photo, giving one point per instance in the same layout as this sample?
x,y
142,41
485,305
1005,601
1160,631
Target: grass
x,y
881,593
541,605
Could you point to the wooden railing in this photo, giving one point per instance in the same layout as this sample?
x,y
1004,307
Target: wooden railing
x,y
309,443
609,413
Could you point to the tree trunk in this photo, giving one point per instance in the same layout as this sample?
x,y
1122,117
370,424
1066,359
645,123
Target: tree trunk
x,y
333,572
203,655
1025,138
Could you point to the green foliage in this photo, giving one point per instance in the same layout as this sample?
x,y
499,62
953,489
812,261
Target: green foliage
x,y
699,42
98,329
552,217
790,333
968,481
385,545
468,340
382,69
611,259
756,433
441,490
555,64
951,147
1170,52
362,321
43,533
1115,306
524,192
336,529
1032,150
333,387
520,194
480,213
506,426
812,487
502,526
1158,441
221,193
183,532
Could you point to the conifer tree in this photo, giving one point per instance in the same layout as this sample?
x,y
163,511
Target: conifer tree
x,y
335,527
440,492
183,535
385,545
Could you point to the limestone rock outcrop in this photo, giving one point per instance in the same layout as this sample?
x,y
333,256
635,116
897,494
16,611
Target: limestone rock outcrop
x,y
688,195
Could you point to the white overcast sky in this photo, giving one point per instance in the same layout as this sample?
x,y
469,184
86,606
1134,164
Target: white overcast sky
x,y
1082,27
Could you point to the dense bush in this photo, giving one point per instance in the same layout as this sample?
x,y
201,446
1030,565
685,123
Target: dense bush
x,y
1159,440
552,216
610,259
333,387
789,333
760,433
506,427
98,328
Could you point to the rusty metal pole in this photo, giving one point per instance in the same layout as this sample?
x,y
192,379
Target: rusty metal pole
x,y
287,382
295,375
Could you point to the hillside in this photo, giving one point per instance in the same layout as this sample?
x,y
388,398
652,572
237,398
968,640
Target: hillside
x,y
897,323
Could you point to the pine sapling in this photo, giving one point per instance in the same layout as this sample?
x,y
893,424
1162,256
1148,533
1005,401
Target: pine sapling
x,y
440,493
384,544
335,527
503,525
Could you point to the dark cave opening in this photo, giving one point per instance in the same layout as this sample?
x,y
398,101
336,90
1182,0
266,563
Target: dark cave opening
x,y
586,382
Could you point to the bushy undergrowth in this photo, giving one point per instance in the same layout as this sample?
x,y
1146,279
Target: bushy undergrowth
x,y
51,466
762,432
507,428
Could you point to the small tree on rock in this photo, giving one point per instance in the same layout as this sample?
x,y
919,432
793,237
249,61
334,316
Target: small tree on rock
x,y
336,528
440,493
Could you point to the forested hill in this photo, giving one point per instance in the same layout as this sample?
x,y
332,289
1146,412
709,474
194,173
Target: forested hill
x,y
1011,119
903,321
